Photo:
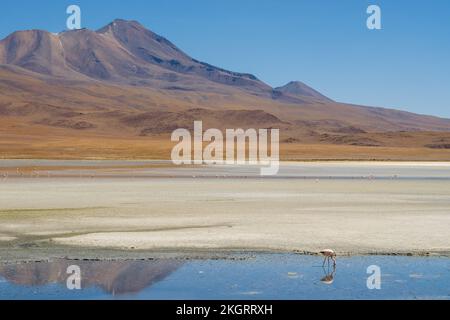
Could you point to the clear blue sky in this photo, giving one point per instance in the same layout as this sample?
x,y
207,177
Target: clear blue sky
x,y
324,43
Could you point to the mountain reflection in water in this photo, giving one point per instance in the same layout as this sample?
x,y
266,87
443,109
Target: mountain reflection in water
x,y
114,277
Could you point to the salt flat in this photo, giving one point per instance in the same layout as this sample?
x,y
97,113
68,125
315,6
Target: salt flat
x,y
353,208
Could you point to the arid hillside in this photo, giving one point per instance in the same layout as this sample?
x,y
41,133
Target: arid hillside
x,y
120,91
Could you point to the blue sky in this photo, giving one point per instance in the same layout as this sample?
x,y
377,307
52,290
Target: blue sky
x,y
324,43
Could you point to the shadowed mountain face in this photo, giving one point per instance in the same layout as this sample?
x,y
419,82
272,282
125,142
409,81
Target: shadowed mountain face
x,y
126,81
160,52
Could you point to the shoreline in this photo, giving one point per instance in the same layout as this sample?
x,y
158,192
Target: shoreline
x,y
115,255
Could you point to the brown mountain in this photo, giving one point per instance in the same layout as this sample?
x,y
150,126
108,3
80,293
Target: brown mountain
x,y
299,89
126,82
122,52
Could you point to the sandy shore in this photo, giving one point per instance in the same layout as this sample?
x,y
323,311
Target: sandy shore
x,y
351,211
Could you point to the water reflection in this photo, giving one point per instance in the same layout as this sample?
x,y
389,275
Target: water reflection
x,y
114,277
329,275
259,276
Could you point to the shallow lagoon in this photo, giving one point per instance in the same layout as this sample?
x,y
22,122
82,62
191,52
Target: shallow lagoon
x,y
258,276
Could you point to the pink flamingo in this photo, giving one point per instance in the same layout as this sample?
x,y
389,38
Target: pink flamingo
x,y
329,254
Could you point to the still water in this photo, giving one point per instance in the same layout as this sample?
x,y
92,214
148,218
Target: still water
x,y
259,276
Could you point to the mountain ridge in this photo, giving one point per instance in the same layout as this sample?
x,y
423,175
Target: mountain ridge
x,y
122,51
